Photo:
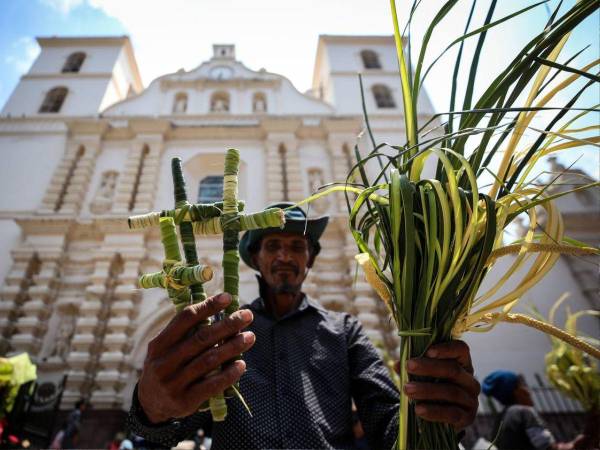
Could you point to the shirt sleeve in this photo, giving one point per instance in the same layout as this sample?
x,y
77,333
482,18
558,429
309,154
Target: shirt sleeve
x,y
540,437
167,434
375,395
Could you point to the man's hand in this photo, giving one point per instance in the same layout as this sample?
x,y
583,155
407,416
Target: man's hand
x,y
454,398
176,378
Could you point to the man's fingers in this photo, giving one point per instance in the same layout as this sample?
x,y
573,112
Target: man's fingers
x,y
450,414
183,322
198,393
206,337
211,359
447,369
441,392
457,350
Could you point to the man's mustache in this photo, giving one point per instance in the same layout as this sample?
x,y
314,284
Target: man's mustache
x,y
291,267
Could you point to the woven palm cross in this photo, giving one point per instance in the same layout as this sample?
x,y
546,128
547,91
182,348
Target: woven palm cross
x,y
184,278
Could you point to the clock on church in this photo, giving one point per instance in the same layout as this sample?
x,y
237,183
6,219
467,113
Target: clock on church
x,y
221,73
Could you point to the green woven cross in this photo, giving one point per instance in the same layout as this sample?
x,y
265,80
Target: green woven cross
x,y
183,279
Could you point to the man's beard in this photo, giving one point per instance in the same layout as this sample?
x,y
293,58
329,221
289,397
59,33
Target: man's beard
x,y
286,287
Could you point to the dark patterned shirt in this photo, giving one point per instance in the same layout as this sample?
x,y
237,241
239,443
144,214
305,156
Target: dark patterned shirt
x,y
302,374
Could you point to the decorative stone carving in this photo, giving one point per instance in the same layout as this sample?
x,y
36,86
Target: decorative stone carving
x,y
259,103
104,195
64,336
219,102
180,104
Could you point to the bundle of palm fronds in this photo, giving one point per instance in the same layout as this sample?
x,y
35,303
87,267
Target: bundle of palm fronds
x,y
426,244
569,369
574,373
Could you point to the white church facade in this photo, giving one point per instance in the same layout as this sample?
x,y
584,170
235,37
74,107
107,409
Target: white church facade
x,y
84,145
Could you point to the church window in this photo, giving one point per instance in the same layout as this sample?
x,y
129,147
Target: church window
x,y
180,103
283,161
54,100
219,102
259,102
138,177
74,62
383,96
370,59
210,189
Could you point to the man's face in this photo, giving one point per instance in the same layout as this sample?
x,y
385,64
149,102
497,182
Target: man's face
x,y
282,260
521,394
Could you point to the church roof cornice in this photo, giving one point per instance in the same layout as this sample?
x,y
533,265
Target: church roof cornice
x,y
59,41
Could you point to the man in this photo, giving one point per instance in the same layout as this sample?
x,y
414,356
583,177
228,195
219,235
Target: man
x,y
519,425
305,364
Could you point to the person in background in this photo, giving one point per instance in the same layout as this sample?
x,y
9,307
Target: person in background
x,y
71,435
201,441
519,426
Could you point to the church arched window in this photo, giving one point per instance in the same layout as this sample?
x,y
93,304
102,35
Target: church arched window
x,y
383,96
74,62
259,102
219,102
180,103
210,189
370,59
54,100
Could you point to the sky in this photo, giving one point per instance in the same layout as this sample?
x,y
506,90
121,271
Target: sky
x,y
280,36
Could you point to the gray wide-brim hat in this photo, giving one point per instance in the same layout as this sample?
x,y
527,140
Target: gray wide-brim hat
x,y
295,222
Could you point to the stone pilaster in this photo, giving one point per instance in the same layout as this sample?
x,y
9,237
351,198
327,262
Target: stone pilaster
x,y
137,184
85,338
70,181
14,291
274,180
295,185
35,311
114,368
338,147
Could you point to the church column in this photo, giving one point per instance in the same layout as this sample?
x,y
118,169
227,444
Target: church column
x,y
35,311
342,161
284,175
14,291
69,183
293,173
274,185
137,183
113,366
84,339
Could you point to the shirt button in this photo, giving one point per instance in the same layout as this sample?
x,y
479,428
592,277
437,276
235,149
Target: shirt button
x,y
281,356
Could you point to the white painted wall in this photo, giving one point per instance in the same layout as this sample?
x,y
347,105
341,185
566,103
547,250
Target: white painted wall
x,y
342,89
519,348
83,99
28,162
99,59
90,90
282,98
10,236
